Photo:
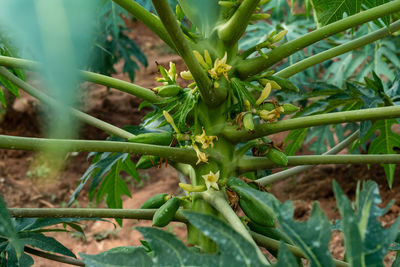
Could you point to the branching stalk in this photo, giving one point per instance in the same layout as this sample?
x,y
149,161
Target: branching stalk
x,y
270,243
130,88
219,202
339,50
299,169
259,163
253,66
233,29
139,214
182,155
109,128
151,21
53,257
315,120
185,51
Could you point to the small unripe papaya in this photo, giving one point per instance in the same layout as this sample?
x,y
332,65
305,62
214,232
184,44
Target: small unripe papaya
x,y
166,212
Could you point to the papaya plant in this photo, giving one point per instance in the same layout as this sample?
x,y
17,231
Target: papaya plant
x,y
215,130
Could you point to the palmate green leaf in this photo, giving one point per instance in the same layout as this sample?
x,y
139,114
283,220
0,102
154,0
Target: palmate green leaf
x,y
205,20
366,241
45,243
9,233
285,257
312,236
168,250
118,257
326,12
324,137
384,143
113,186
294,140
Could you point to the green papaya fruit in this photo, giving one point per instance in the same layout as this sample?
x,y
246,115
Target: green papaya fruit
x,y
277,156
156,201
166,212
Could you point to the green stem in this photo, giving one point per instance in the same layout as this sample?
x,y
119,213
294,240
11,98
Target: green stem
x,y
130,88
299,169
265,129
53,257
259,163
339,50
253,66
270,243
109,128
185,51
151,21
231,31
139,214
38,144
218,200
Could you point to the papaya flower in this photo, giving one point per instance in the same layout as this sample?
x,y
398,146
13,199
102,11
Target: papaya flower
x,y
211,180
272,115
220,68
201,156
205,140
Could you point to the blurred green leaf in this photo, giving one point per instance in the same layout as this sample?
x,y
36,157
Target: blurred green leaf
x,y
285,257
294,141
312,236
366,241
384,143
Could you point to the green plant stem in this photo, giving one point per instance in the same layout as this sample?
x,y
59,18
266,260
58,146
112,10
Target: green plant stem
x,y
130,88
265,129
270,243
185,51
38,144
139,214
151,21
231,31
218,200
299,169
53,257
339,50
259,163
256,65
109,128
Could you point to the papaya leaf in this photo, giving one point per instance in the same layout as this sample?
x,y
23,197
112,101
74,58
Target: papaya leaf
x,y
285,257
384,143
205,20
324,137
327,12
45,243
366,241
114,187
118,257
294,141
312,236
15,247
165,249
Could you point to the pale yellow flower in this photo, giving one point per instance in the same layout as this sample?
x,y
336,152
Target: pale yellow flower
x,y
187,75
211,180
205,140
220,68
169,119
201,156
272,115
264,94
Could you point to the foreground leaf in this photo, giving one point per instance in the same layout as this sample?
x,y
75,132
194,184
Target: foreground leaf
x,y
312,236
118,257
366,241
167,250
